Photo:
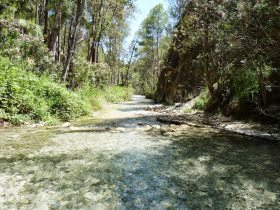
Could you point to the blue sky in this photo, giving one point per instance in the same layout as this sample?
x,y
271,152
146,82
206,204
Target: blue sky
x,y
143,7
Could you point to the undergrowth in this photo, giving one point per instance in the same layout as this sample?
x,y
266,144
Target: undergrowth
x,y
96,97
26,97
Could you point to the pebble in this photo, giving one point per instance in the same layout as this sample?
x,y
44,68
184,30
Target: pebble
x,y
156,127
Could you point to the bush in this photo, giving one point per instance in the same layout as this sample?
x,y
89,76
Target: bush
x,y
22,41
117,94
25,96
200,104
246,85
95,74
201,100
95,97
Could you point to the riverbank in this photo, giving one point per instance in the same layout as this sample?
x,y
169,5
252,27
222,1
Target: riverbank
x,y
62,108
177,115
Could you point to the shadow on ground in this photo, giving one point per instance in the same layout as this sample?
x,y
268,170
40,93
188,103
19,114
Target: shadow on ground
x,y
194,169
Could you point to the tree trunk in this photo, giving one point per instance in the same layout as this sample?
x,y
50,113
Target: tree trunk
x,y
73,38
53,37
41,13
206,62
129,62
46,17
58,59
64,39
262,88
36,12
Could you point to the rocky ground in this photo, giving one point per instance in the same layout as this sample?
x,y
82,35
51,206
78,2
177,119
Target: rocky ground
x,y
177,115
123,157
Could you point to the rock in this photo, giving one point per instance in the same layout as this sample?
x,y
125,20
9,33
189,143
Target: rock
x,y
156,127
92,196
24,201
30,156
89,195
95,181
40,124
66,125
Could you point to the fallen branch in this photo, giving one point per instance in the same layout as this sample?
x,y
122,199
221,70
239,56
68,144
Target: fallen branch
x,y
178,122
248,133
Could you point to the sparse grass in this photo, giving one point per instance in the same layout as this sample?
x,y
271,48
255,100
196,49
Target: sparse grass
x,y
188,111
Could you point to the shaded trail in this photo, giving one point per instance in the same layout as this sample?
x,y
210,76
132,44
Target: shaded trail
x,y
133,162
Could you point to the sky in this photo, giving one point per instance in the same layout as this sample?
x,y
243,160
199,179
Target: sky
x,y
143,9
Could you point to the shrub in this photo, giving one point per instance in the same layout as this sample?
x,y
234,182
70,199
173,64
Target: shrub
x,y
22,41
188,111
200,104
95,97
96,74
201,100
246,83
25,96
117,94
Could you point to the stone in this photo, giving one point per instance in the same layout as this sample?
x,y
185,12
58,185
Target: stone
x,y
66,125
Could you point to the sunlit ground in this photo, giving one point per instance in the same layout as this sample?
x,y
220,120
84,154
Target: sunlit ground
x,y
131,167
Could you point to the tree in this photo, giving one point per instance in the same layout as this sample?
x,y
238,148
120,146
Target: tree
x,y
150,57
73,34
230,47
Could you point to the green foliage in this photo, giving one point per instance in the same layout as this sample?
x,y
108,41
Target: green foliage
x,y
188,111
8,13
30,28
117,94
96,74
230,47
29,89
153,45
22,41
93,96
200,104
246,83
202,100
96,97
25,96
149,88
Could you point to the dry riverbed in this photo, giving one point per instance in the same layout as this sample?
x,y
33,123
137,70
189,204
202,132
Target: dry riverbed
x,y
176,115
124,158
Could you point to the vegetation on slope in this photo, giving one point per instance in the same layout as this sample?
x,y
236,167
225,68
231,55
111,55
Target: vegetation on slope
x,y
26,97
74,49
44,77
229,47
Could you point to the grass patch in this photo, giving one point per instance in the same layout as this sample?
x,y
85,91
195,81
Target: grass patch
x,y
188,111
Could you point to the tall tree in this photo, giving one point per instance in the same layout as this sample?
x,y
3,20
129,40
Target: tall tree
x,y
151,34
73,34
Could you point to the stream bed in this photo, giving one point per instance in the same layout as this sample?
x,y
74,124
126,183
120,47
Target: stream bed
x,y
122,158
